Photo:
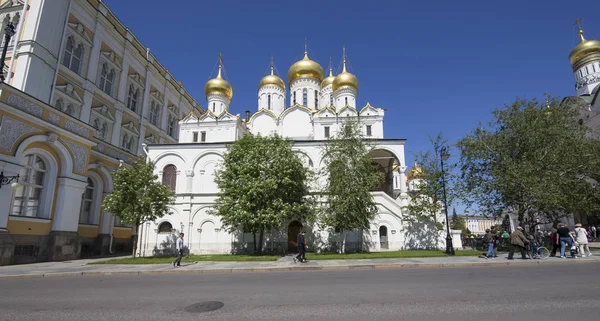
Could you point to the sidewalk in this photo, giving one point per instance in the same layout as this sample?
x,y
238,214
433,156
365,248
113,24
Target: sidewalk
x,y
81,267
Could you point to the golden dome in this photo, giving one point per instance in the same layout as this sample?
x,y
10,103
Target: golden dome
x,y
584,48
218,85
415,172
305,68
329,80
272,79
345,79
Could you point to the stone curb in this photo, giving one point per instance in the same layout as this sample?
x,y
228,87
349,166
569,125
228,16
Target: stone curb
x,y
301,268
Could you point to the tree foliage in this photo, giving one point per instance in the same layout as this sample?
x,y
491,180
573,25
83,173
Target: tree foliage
x,y
458,223
262,184
533,159
351,176
137,195
427,198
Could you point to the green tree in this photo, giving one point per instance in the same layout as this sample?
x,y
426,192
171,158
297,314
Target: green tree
x,y
458,223
427,199
351,176
506,223
262,184
533,159
137,196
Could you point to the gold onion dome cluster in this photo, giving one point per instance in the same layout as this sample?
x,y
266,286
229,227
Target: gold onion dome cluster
x,y
305,68
415,172
329,80
345,79
272,79
218,85
585,48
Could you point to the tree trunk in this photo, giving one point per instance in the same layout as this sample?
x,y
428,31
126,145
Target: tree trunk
x,y
343,242
135,238
254,237
260,241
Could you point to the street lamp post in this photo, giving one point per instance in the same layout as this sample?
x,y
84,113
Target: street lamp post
x,y
9,31
444,155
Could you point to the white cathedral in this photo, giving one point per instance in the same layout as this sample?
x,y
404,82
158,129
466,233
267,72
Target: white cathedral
x,y
317,107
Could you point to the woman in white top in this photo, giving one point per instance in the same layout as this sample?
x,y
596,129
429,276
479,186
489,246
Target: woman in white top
x,y
581,239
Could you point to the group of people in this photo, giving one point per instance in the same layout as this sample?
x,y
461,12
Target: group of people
x,y
577,240
562,237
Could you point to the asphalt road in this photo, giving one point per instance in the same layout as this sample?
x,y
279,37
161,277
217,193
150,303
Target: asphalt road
x,y
547,292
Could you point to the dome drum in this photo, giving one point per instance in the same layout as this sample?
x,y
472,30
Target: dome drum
x,y
586,60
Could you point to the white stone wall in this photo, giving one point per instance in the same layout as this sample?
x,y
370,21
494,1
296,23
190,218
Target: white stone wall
x,y
196,193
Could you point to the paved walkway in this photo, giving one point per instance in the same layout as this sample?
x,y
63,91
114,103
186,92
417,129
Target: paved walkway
x,y
81,267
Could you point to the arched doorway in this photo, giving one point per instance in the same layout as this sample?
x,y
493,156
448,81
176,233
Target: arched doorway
x,y
293,230
383,237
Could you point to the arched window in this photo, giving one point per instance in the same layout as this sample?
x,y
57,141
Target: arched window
x,y
132,98
73,55
294,98
316,99
107,77
154,112
346,99
70,110
59,104
269,102
214,107
330,99
165,227
169,178
86,215
171,126
125,140
304,97
28,197
103,131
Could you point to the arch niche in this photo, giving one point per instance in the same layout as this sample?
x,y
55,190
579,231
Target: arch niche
x,y
293,229
383,237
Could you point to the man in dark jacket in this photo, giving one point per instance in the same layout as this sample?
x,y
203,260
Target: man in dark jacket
x,y
518,240
301,244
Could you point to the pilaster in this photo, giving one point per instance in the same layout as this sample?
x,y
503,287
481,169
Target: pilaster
x,y
116,132
68,204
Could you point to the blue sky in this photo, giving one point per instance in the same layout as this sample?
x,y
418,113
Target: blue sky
x,y
436,66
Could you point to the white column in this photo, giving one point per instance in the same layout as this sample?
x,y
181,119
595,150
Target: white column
x,y
6,193
68,204
189,177
95,53
123,82
87,106
116,133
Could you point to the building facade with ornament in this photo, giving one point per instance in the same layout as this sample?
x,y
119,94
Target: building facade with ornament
x,y
308,108
80,93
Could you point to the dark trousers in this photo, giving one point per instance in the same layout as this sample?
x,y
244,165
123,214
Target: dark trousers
x,y
301,253
554,249
178,259
512,252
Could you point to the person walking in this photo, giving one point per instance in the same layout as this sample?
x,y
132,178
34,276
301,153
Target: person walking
x,y
582,240
179,247
301,244
490,238
565,237
518,240
555,242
